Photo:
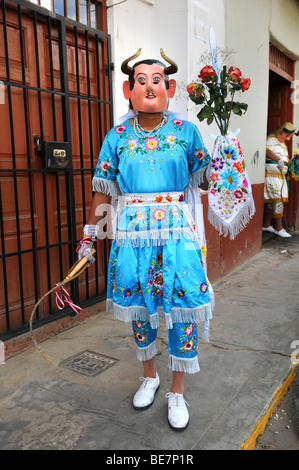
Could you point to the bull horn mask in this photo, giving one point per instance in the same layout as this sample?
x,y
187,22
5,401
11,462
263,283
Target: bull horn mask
x,y
172,68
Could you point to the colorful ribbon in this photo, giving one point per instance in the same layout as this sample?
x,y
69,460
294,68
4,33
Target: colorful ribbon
x,y
63,297
89,240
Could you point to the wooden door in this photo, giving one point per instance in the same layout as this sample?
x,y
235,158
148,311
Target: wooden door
x,y
51,94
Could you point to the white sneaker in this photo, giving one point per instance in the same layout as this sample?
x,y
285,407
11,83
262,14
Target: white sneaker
x,y
282,233
145,396
269,229
178,416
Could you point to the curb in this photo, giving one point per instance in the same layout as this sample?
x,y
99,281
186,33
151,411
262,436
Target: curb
x,y
275,401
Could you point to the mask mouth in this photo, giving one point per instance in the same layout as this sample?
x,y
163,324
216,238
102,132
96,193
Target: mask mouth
x,y
150,95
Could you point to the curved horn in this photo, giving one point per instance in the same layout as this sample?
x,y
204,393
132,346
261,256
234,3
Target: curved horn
x,y
172,68
125,68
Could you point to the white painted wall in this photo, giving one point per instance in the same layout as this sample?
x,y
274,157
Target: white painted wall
x,y
181,28
249,28
247,32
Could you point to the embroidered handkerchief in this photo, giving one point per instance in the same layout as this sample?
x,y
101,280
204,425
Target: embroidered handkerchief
x,y
231,204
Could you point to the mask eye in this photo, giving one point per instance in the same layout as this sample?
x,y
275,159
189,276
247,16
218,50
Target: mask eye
x,y
141,80
156,80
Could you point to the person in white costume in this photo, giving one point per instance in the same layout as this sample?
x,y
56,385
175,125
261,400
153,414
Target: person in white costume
x,y
276,189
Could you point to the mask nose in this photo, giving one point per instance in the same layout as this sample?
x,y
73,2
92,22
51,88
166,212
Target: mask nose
x,y
149,88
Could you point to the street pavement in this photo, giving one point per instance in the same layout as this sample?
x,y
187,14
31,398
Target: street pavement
x,y
81,398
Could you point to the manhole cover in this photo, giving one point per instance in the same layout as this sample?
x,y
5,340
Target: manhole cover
x,y
88,363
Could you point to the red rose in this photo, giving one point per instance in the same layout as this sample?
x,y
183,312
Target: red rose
x,y
190,88
245,84
235,74
193,91
206,73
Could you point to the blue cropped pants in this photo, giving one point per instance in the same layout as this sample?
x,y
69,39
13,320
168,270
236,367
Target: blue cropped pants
x,y
182,345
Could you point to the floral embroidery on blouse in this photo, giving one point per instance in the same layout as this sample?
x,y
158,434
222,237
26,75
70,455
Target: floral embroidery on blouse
x,y
120,129
200,155
178,147
105,169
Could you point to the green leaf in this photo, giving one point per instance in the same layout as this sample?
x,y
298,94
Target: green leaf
x,y
242,106
235,86
237,110
224,114
196,99
228,105
200,116
205,113
210,120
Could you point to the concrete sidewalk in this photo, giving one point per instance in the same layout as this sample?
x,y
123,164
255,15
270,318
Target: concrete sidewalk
x,y
245,371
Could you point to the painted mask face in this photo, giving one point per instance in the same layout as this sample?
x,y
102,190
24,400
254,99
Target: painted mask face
x,y
149,94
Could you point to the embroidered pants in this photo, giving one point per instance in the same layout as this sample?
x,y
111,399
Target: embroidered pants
x,y
182,345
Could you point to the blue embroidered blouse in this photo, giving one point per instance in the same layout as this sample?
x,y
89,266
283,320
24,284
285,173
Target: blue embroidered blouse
x,y
150,165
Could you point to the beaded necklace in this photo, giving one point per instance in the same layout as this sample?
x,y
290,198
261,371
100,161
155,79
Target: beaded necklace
x,y
143,133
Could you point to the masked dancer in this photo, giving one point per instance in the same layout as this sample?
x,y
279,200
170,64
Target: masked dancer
x,y
152,163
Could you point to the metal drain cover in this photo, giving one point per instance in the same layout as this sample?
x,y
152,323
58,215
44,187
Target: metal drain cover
x,y
88,363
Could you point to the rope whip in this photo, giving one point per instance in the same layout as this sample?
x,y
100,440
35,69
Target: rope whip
x,y
62,298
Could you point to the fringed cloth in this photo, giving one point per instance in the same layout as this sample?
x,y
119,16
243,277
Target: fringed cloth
x,y
231,204
155,220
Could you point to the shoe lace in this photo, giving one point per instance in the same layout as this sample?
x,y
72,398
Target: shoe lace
x,y
177,399
146,382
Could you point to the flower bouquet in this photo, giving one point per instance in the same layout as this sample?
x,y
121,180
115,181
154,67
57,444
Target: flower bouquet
x,y
230,197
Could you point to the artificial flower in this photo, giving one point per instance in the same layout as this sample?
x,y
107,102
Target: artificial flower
x,y
215,94
194,89
235,74
207,73
245,84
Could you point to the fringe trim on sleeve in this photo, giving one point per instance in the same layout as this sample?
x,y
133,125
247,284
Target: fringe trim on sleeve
x,y
101,185
197,177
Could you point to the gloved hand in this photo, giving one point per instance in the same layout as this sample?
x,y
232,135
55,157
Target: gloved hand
x,y
85,246
280,164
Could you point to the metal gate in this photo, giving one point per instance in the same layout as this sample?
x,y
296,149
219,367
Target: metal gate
x,y
55,109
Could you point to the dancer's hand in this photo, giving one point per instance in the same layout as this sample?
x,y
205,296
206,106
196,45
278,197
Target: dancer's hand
x,y
85,246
